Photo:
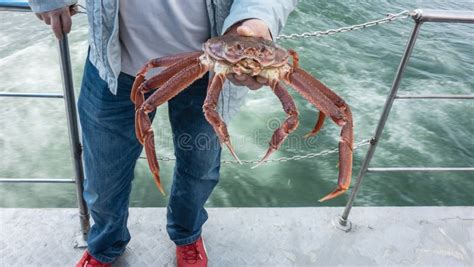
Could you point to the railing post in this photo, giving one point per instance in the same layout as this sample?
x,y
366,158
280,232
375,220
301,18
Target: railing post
x,y
73,129
343,221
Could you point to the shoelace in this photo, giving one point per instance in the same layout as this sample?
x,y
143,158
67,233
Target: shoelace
x,y
86,261
191,253
91,261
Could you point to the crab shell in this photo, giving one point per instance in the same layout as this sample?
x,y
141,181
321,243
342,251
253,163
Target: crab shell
x,y
245,55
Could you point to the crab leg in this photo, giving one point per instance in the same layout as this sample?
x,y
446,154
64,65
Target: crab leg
x,y
294,55
167,61
321,116
290,124
157,81
172,87
338,101
332,105
318,126
213,117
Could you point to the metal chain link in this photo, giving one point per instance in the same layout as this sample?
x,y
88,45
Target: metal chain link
x,y
282,159
390,17
79,9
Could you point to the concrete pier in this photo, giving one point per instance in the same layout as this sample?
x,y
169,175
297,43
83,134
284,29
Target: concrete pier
x,y
442,236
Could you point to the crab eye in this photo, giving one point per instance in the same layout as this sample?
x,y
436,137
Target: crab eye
x,y
239,47
215,48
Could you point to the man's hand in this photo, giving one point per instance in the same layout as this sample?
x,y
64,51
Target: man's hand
x,y
255,28
59,19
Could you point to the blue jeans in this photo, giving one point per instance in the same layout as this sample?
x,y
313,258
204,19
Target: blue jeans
x,y
111,151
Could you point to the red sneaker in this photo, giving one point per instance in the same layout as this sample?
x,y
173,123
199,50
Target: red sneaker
x,y
88,261
192,255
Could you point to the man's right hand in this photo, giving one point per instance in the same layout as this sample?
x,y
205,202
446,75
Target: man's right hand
x,y
59,19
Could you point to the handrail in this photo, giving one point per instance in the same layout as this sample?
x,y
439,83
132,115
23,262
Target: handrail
x,y
37,180
73,130
448,16
34,95
15,6
434,97
73,127
419,16
421,169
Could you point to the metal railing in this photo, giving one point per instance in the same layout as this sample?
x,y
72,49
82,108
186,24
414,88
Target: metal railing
x,y
343,222
73,127
419,16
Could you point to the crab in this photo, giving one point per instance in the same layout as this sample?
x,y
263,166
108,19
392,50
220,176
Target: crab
x,y
233,54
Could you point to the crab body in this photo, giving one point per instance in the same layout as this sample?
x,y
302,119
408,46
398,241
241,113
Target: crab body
x,y
233,54
245,55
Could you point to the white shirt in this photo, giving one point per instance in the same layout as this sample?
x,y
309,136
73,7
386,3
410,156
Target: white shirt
x,y
155,28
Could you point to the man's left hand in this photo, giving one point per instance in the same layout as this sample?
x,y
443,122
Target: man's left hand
x,y
254,28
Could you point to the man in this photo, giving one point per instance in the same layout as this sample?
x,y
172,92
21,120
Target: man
x,y
123,36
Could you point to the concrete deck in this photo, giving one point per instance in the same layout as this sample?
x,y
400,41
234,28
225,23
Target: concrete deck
x,y
258,237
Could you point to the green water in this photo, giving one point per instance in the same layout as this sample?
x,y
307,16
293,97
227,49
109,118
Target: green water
x,y
358,65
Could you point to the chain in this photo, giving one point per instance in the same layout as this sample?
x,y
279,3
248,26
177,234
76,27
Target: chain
x,y
79,9
389,18
282,159
299,157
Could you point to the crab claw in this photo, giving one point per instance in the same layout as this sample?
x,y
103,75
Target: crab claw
x,y
333,194
231,149
267,155
158,184
318,126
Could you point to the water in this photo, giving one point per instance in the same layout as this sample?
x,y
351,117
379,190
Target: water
x,y
359,66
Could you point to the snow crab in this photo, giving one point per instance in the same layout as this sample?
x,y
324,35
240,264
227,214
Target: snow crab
x,y
241,55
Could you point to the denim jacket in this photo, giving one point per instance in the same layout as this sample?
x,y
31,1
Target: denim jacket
x,y
105,46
